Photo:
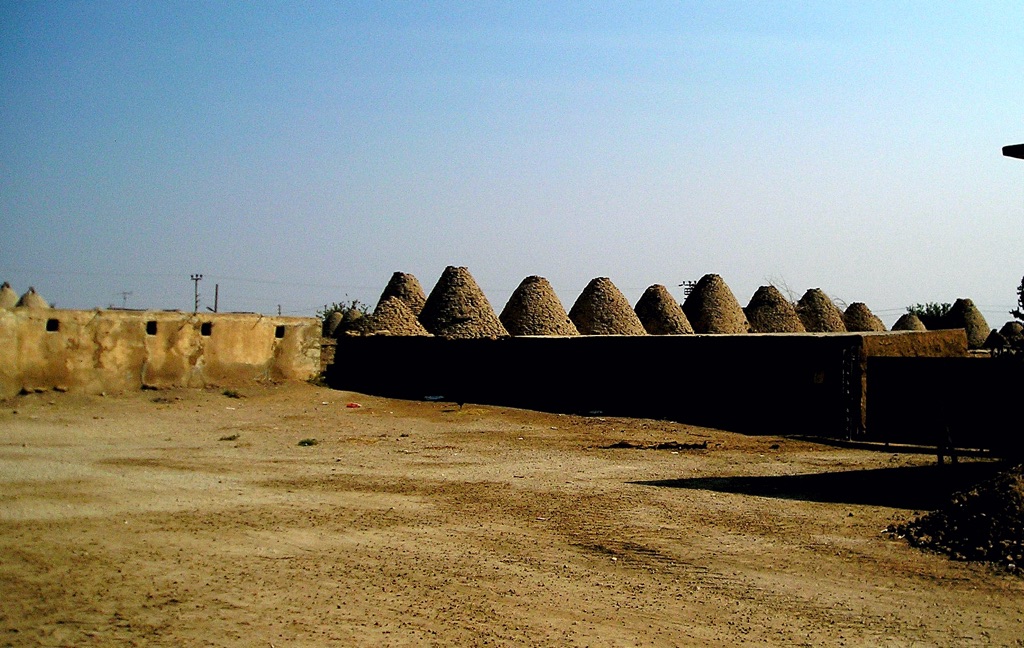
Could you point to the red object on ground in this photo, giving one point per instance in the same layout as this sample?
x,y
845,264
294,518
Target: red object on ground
x,y
353,405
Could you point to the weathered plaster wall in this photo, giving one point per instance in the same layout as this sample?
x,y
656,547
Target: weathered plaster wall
x,y
101,350
947,343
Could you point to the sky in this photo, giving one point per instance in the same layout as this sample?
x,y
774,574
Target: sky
x,y
297,154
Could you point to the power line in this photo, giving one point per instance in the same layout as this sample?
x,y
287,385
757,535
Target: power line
x,y
255,280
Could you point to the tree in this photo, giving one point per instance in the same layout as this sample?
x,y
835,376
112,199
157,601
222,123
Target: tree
x,y
1019,311
343,307
931,314
1014,346
353,315
931,309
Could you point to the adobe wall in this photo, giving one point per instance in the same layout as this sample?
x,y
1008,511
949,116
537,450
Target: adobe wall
x,y
966,402
109,351
945,343
757,383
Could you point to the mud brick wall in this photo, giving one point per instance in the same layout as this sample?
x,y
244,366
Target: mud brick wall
x,y
757,383
109,350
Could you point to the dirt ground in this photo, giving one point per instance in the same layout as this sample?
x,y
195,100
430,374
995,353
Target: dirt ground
x,y
192,518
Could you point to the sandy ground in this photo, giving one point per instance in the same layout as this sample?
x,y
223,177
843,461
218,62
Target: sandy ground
x,y
192,518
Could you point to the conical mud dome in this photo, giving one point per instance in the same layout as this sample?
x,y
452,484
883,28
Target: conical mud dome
x,y
661,314
995,340
332,323
858,317
8,298
964,314
712,308
534,309
407,288
819,314
457,308
602,310
393,317
770,312
1012,330
353,322
31,299
909,322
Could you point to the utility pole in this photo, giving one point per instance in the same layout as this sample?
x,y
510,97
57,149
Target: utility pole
x,y
197,278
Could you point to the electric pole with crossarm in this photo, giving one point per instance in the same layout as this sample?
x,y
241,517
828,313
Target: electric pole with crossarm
x,y
197,278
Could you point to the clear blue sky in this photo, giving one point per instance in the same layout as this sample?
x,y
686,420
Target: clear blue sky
x,y
298,153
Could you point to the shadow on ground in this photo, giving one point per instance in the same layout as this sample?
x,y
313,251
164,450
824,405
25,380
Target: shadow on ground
x,y
908,487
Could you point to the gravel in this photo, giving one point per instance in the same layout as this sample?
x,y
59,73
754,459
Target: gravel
x,y
985,523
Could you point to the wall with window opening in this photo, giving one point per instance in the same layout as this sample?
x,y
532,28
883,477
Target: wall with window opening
x,y
108,351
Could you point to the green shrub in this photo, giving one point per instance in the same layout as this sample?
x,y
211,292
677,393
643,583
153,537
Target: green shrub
x,y
353,316
343,307
931,314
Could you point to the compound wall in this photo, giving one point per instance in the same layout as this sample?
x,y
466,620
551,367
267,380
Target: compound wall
x,y
960,402
110,350
765,383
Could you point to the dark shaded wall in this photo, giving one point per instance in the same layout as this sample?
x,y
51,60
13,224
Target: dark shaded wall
x,y
968,402
761,384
